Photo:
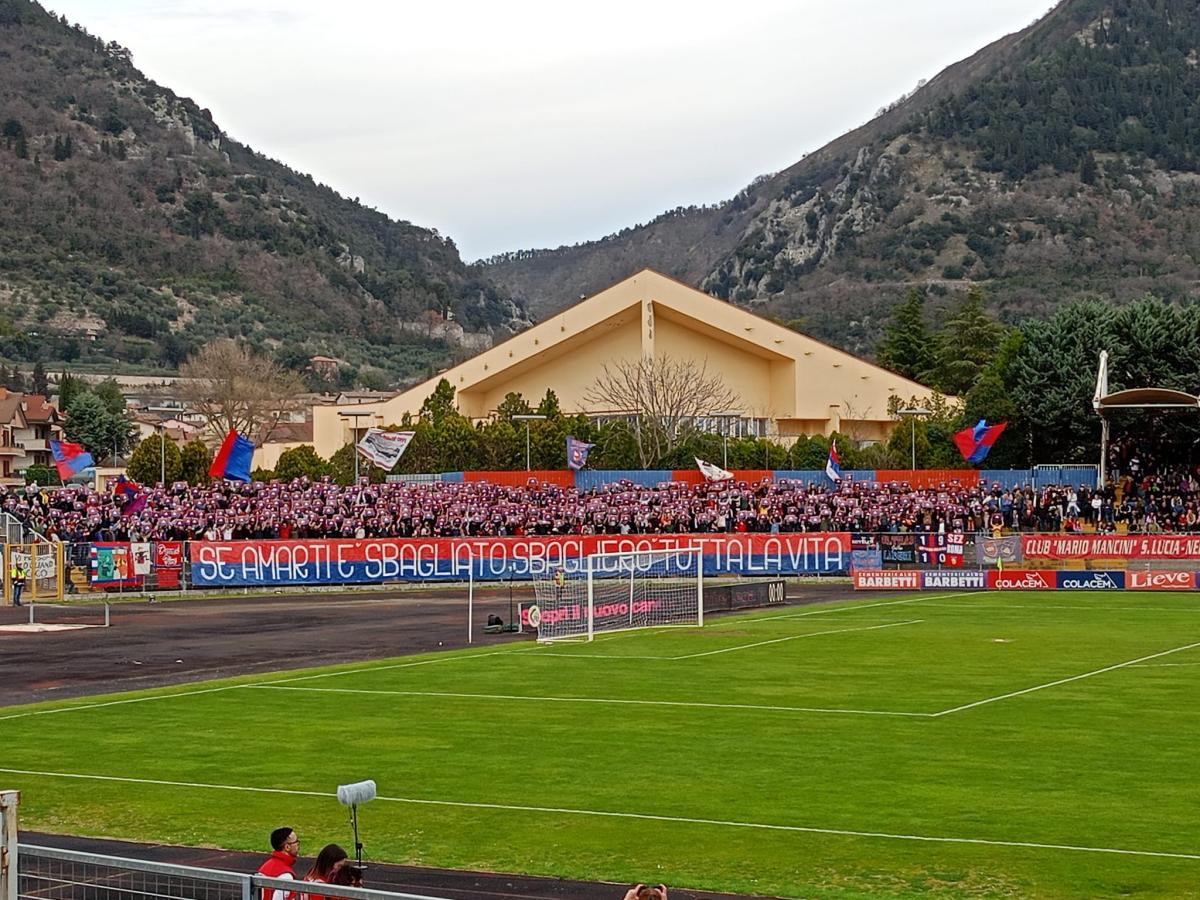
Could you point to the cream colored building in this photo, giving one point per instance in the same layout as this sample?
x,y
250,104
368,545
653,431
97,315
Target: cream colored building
x,y
788,384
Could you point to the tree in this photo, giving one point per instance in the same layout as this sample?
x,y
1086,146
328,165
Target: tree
x,y
44,476
38,383
69,386
965,345
237,390
110,392
341,466
663,397
513,404
439,405
91,423
299,462
151,456
195,459
907,346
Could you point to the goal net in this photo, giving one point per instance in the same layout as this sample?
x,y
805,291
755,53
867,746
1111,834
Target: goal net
x,y
608,592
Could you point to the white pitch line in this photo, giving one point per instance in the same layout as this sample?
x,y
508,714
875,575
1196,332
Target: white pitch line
x,y
407,665
1088,609
687,704
1164,665
829,610
63,709
1042,687
676,820
793,637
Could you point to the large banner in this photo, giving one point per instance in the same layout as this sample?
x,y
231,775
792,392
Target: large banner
x,y
248,563
1110,546
384,448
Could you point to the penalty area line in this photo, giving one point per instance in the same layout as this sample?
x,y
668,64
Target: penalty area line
x,y
1042,687
610,814
686,704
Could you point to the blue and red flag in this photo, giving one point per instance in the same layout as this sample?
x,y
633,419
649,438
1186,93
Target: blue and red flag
x,y
70,459
833,465
233,459
976,442
126,487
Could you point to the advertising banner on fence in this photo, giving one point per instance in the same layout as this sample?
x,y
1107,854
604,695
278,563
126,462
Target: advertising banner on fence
x,y
1091,581
1110,546
110,565
886,581
1022,580
247,563
1161,581
968,580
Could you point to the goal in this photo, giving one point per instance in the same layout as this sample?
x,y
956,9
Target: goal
x,y
608,592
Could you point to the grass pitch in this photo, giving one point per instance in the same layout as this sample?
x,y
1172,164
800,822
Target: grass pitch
x,y
1007,745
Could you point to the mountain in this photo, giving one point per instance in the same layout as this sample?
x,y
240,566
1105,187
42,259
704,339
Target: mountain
x,y
1057,162
134,229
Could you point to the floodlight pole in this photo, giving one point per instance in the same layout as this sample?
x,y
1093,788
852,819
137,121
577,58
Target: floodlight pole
x,y
527,418
355,416
162,453
725,417
912,415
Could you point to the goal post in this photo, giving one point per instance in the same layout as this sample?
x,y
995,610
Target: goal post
x,y
609,592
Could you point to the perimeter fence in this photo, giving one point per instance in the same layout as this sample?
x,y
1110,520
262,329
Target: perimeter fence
x,y
104,570
48,873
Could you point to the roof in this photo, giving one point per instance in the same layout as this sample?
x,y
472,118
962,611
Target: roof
x,y
289,433
38,409
1147,398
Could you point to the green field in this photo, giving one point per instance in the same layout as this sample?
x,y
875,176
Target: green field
x,y
1007,745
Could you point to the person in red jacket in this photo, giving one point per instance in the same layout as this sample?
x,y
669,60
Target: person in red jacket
x,y
281,863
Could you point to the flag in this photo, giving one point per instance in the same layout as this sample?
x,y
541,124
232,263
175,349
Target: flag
x,y
233,459
134,506
712,472
833,465
577,453
70,459
384,448
975,443
126,487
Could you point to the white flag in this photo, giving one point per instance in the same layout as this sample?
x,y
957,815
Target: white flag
x,y
712,472
384,448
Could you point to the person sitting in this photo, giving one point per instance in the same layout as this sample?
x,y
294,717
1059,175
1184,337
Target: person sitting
x,y
330,861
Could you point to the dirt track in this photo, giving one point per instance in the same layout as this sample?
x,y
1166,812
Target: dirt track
x,y
155,644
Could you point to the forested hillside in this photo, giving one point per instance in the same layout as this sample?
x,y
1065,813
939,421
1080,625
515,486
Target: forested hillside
x,y
133,229
1057,163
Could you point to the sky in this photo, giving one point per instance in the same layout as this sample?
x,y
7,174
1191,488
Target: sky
x,y
529,123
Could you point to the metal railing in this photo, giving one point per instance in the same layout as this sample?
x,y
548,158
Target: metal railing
x,y
48,873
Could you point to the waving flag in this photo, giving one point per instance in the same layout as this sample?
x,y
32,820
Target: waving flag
x,y
577,453
384,448
713,472
70,459
233,459
975,443
833,465
126,487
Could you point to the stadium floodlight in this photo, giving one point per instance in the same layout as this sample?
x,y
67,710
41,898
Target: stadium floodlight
x,y
527,418
607,592
912,414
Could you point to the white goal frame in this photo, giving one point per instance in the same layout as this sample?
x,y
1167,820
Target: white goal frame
x,y
597,569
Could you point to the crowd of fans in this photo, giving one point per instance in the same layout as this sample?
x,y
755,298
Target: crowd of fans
x,y
322,509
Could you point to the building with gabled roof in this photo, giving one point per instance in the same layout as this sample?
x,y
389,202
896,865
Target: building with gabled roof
x,y
28,423
789,384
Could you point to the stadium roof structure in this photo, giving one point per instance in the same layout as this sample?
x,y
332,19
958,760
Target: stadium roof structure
x,y
1131,398
786,382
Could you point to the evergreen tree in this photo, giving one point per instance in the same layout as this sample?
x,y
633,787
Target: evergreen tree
x,y
38,383
965,345
69,386
151,456
91,423
907,347
440,404
195,458
299,462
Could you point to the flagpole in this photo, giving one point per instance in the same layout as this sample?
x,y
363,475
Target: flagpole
x,y
911,415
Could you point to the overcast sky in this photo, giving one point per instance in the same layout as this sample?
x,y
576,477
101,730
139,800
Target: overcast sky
x,y
531,123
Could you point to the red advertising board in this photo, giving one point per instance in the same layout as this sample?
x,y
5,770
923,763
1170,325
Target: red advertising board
x,y
1021,580
168,561
1161,581
1110,546
884,580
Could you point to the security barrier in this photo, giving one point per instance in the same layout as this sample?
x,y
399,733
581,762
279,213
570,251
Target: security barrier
x,y
43,568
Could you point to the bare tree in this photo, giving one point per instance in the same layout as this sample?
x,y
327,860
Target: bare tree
x,y
237,390
663,397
